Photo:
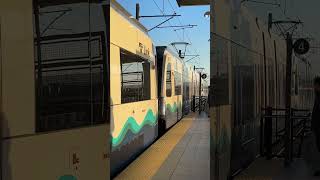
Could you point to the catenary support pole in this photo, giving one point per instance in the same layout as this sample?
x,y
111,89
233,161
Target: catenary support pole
x,y
288,150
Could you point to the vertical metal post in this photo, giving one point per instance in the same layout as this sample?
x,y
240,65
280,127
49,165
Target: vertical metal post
x,y
138,11
291,135
288,100
194,92
200,95
268,132
39,67
262,135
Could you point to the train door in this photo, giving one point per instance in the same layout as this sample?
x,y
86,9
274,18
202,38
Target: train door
x,y
178,88
170,102
185,80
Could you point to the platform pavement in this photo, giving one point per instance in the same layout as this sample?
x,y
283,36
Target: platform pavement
x,y
182,153
300,169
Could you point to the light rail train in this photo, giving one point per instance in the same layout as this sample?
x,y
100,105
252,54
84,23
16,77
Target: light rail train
x,y
152,88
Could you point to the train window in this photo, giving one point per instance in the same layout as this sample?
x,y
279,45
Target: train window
x,y
135,78
178,83
70,63
168,81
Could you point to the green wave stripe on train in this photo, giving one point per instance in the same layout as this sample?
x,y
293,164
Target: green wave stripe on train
x,y
173,108
132,125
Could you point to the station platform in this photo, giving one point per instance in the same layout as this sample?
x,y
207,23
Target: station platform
x,y
181,153
301,168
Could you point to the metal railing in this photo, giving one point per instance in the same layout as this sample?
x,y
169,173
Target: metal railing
x,y
199,103
274,136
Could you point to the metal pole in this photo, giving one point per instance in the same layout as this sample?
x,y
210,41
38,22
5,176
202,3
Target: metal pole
x,y
268,133
200,95
261,136
138,11
291,134
194,92
38,68
288,100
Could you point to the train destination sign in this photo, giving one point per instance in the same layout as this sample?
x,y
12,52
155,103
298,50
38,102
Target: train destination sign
x,y
301,46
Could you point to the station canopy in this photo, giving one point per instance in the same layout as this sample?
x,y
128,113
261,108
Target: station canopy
x,y
193,2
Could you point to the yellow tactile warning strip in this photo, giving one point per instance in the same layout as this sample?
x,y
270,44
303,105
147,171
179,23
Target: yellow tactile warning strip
x,y
147,164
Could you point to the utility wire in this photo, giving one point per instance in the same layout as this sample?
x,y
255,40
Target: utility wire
x,y
162,11
185,32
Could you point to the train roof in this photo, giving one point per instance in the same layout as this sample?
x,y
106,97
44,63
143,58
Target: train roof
x,y
163,49
115,5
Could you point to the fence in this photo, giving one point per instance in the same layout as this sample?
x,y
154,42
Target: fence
x,y
200,103
275,135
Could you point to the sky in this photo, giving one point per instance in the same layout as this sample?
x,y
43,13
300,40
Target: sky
x,y
198,36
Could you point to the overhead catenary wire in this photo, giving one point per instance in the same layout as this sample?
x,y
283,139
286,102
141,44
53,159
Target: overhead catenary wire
x,y
186,34
162,11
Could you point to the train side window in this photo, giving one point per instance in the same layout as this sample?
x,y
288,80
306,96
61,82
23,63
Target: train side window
x,y
135,78
178,83
168,81
70,64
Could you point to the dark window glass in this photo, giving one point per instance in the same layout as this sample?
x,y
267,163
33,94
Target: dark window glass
x,y
71,63
135,78
99,51
168,81
178,83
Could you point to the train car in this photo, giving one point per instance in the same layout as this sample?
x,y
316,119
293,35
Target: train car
x,y
248,73
63,116
54,89
188,89
134,98
170,70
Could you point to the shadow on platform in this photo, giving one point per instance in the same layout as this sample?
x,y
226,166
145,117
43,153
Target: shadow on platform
x,y
300,169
